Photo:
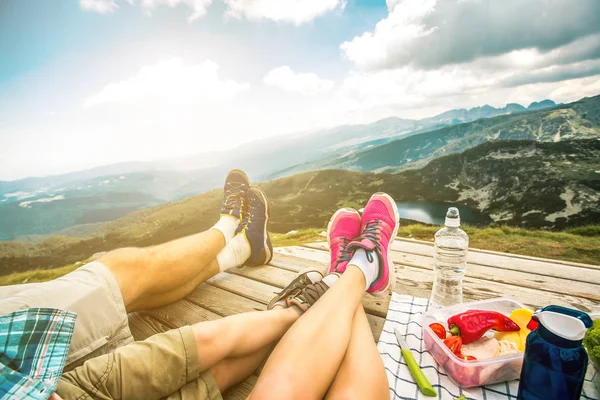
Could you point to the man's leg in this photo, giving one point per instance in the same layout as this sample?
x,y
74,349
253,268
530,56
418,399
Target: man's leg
x,y
157,275
231,371
361,360
240,335
307,358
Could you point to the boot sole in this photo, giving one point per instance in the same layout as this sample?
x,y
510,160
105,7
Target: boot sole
x,y
267,251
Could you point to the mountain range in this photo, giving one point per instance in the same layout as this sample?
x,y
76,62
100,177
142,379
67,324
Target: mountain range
x,y
493,178
76,204
579,120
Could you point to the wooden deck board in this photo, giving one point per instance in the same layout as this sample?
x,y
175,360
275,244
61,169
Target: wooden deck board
x,y
500,260
583,296
533,281
580,284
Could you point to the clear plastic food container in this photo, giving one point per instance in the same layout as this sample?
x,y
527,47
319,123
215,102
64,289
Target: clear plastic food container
x,y
466,374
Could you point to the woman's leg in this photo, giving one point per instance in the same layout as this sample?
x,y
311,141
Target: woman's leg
x,y
361,359
308,357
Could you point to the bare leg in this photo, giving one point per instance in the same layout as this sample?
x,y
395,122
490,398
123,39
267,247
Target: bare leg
x,y
240,335
157,275
361,360
308,357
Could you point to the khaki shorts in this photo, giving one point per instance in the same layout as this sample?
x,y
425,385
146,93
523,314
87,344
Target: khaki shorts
x,y
164,366
93,293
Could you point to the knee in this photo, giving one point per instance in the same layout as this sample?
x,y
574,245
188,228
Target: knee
x,y
204,332
123,259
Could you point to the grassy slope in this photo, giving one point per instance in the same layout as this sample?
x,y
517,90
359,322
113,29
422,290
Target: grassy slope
x,y
578,245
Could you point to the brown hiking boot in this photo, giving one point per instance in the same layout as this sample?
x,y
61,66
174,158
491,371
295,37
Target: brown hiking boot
x,y
301,281
308,296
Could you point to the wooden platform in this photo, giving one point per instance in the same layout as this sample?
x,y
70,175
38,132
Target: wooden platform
x,y
532,281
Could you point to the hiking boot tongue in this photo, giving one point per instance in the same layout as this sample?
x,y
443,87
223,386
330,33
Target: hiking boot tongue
x,y
363,244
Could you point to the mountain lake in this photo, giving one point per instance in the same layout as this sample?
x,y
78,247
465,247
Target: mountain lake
x,y
434,213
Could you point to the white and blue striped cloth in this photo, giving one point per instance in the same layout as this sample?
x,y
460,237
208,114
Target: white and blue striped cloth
x,y
405,313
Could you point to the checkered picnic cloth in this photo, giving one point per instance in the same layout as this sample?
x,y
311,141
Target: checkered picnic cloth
x,y
405,314
33,348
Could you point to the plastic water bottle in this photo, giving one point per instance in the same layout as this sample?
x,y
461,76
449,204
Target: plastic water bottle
x,y
450,261
555,361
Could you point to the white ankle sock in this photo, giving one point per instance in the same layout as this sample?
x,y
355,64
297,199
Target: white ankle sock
x,y
235,253
227,225
330,279
369,268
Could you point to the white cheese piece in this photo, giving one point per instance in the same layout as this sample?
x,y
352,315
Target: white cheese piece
x,y
507,347
482,349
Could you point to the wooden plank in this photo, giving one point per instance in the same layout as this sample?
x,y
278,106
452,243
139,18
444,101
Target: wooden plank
x,y
280,278
474,287
511,255
478,289
582,282
504,260
181,313
222,302
143,325
539,266
255,290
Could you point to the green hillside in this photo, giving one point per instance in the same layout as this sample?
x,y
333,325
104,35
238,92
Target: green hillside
x,y
520,183
578,120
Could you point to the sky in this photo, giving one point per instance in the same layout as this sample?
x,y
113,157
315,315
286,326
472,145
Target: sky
x,y
85,83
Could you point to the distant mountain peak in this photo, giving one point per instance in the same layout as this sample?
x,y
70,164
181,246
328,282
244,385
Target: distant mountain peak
x,y
542,104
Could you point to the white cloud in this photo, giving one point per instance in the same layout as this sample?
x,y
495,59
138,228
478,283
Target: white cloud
x,y
198,6
394,33
171,82
431,55
307,84
99,6
297,12
105,6
433,33
293,11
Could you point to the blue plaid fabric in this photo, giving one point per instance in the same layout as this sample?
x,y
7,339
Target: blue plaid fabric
x,y
33,348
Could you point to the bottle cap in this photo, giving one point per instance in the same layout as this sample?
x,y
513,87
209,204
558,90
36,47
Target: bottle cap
x,y
564,322
453,217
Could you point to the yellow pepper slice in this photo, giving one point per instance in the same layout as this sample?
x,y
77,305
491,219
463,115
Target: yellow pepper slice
x,y
521,316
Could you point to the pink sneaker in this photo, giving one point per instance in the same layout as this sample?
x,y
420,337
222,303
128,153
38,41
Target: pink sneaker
x,y
344,226
380,222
